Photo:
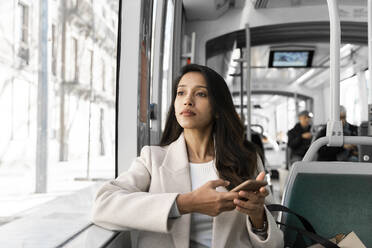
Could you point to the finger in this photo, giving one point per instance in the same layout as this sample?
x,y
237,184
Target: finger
x,y
242,210
261,176
248,195
248,206
219,182
253,197
229,196
263,191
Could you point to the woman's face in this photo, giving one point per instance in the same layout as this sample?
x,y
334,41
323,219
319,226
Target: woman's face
x,y
192,106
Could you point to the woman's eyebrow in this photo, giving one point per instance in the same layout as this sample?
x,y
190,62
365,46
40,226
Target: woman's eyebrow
x,y
198,86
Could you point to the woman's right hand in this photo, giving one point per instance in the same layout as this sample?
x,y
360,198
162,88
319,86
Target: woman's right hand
x,y
206,200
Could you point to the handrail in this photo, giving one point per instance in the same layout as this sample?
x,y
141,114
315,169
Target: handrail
x,y
334,125
248,80
370,45
313,149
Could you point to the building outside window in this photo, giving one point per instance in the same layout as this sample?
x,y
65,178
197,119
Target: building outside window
x,y
74,59
54,50
103,74
81,118
23,9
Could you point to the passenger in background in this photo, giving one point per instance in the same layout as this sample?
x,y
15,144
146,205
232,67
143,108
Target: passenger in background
x,y
178,194
345,153
299,137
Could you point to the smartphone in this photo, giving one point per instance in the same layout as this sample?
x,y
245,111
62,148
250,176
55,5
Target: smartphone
x,y
249,185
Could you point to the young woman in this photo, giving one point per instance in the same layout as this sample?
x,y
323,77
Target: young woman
x,y
177,194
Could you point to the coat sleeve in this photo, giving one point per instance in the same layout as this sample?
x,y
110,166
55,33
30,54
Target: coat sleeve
x,y
274,234
126,203
294,139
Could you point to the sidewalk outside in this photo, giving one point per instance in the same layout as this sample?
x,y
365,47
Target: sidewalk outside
x,y
17,184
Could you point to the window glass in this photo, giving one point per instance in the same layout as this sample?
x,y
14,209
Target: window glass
x,y
80,101
350,99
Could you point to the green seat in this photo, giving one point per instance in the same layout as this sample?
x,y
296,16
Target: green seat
x,y
336,197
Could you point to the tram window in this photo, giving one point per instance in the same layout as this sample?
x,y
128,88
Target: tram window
x,y
350,98
80,107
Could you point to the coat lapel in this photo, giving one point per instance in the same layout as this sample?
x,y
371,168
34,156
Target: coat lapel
x,y
175,170
175,177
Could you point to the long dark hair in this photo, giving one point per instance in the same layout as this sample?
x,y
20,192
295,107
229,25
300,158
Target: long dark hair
x,y
236,158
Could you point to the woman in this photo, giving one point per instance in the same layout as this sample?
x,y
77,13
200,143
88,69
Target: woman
x,y
177,194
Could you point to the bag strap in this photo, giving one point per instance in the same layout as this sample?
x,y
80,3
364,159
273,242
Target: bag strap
x,y
309,232
305,222
313,236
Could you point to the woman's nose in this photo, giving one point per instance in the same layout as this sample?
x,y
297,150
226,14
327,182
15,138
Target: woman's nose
x,y
188,101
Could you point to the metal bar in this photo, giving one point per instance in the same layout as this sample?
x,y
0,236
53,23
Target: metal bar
x,y
248,80
42,103
334,125
335,38
296,104
370,48
193,40
355,140
241,87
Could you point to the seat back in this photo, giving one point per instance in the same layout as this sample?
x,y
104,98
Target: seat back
x,y
336,197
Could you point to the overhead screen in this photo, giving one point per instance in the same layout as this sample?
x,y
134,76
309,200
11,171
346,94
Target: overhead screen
x,y
283,59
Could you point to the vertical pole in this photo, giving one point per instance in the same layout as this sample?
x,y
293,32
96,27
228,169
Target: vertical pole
x,y
370,49
334,126
193,40
241,86
91,96
334,58
248,80
42,102
295,95
63,148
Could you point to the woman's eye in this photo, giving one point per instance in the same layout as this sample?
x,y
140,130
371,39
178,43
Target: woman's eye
x,y
179,93
201,94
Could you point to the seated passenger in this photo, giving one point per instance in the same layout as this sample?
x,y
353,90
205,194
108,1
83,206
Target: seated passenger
x,y
345,153
299,137
172,191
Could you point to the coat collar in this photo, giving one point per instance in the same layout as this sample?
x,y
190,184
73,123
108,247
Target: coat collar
x,y
176,159
175,168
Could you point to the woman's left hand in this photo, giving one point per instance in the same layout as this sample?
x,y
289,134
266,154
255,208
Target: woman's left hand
x,y
252,203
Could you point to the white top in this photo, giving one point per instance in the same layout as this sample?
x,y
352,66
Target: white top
x,y
201,224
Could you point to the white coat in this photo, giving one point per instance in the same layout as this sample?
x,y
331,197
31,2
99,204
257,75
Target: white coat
x,y
142,197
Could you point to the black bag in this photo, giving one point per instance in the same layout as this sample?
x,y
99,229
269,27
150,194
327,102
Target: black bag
x,y
308,232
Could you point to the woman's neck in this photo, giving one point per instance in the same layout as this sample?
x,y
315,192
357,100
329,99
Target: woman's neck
x,y
199,145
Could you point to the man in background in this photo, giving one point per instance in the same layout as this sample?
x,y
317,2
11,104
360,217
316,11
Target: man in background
x,y
299,137
346,152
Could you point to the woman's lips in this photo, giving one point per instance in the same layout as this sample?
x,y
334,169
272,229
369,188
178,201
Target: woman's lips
x,y
187,113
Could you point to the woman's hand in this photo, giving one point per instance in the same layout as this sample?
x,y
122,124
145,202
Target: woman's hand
x,y
206,200
252,203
